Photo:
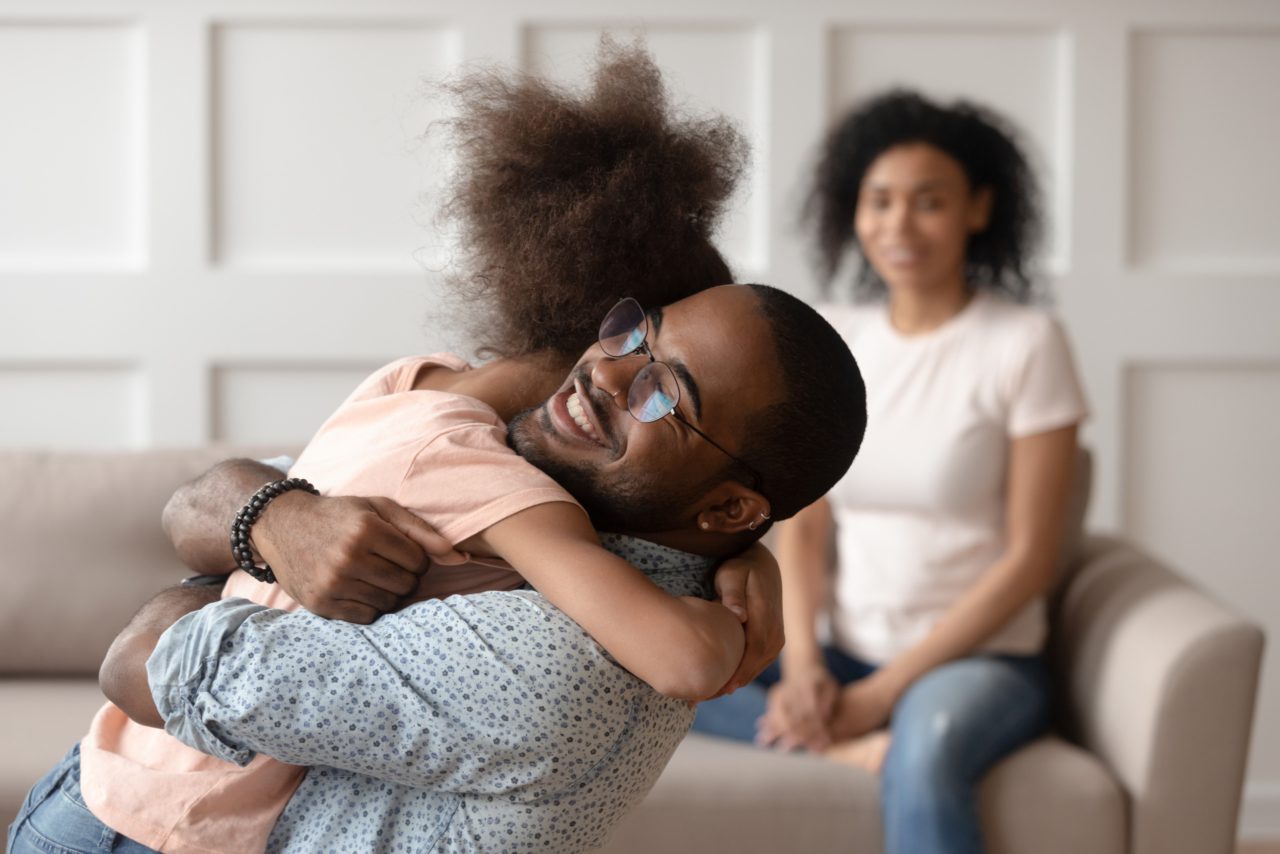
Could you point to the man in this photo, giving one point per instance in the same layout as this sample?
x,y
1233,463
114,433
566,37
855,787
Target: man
x,y
491,721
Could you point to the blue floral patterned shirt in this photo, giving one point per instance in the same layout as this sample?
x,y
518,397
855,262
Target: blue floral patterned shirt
x,y
487,722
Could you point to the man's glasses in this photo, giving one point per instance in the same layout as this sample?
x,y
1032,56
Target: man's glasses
x,y
654,391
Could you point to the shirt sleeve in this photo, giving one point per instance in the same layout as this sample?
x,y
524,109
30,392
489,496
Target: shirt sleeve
x,y
282,462
495,693
1046,392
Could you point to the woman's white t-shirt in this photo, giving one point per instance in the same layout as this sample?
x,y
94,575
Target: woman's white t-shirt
x,y
921,513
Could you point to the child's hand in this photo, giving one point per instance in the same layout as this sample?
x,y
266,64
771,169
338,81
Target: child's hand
x,y
750,586
347,558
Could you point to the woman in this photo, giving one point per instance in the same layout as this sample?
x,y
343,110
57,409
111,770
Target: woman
x,y
948,526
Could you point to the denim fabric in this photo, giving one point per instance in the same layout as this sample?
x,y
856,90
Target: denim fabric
x,y
734,715
949,728
55,820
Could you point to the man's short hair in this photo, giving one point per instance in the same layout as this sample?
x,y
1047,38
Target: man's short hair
x,y
806,441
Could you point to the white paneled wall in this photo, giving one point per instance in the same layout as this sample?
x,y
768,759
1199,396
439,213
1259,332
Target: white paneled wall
x,y
317,143
73,148
215,217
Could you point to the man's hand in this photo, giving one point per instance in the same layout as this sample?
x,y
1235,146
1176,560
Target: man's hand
x,y
750,586
799,710
347,558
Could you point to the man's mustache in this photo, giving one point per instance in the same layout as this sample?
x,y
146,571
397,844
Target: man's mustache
x,y
600,403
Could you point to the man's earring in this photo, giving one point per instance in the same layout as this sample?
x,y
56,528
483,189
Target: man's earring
x,y
706,526
755,523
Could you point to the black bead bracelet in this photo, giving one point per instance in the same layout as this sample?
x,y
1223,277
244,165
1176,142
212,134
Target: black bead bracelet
x,y
249,514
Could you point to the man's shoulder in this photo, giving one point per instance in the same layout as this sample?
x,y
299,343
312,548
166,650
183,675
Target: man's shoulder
x,y
677,572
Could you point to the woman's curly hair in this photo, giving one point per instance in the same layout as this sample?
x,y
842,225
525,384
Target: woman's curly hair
x,y
981,141
567,201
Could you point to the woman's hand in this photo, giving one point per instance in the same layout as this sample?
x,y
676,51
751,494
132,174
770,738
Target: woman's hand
x,y
750,586
863,706
347,558
799,710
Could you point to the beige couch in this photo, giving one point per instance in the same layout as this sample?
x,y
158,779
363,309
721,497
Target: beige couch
x,y
1157,685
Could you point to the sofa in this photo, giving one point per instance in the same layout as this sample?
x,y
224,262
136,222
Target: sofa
x,y
1156,683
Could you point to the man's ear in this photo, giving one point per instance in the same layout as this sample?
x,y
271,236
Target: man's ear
x,y
731,508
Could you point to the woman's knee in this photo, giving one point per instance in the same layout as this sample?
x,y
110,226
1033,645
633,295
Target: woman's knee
x,y
927,752
960,717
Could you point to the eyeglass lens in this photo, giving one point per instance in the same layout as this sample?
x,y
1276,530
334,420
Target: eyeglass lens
x,y
654,392
624,328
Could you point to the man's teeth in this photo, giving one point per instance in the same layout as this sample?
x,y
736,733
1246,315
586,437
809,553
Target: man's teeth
x,y
574,405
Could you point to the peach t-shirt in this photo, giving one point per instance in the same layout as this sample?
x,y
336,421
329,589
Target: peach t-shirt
x,y
442,455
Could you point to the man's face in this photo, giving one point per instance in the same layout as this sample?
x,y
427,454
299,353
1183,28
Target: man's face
x,y
635,477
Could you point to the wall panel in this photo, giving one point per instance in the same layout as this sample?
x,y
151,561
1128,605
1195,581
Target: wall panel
x,y
1202,469
71,152
320,157
1205,130
72,406
265,404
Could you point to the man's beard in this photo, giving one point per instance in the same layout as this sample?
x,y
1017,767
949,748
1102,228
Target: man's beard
x,y
634,502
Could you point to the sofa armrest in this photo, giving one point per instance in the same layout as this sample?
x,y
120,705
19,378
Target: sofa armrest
x,y
1159,680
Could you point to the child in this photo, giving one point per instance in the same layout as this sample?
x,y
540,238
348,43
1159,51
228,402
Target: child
x,y
566,205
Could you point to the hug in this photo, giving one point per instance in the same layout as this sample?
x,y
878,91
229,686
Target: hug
x,y
485,604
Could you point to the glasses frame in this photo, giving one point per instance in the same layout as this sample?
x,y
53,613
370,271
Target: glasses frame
x,y
643,349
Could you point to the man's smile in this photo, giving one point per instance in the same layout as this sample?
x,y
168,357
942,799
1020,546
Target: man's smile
x,y
574,405
574,416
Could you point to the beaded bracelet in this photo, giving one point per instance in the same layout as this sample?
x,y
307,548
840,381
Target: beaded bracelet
x,y
249,514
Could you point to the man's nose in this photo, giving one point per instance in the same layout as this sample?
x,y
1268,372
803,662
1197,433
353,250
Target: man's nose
x,y
614,374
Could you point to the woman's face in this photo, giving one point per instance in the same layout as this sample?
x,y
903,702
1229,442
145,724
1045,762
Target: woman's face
x,y
915,215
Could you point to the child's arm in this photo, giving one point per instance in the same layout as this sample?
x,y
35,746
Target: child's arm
x,y
685,648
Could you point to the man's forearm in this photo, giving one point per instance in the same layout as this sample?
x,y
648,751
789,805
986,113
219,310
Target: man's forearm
x,y
123,676
198,516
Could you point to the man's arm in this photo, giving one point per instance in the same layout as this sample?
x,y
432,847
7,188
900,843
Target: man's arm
x,y
123,675
342,558
492,693
198,517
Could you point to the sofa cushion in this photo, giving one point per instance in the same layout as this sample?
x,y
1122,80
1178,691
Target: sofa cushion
x,y
83,549
1051,797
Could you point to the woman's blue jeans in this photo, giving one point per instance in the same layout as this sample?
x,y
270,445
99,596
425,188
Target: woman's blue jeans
x,y
949,728
55,820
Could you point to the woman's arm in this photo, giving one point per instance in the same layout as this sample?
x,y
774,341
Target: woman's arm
x,y
685,648
803,544
801,704
1040,468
